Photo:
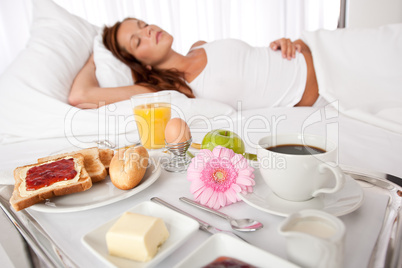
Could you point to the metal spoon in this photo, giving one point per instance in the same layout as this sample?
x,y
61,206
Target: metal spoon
x,y
242,225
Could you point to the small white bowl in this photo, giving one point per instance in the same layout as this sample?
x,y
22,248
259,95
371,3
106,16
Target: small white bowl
x,y
220,245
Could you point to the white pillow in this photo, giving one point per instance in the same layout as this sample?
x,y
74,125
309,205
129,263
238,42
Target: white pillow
x,y
359,70
110,71
59,45
34,89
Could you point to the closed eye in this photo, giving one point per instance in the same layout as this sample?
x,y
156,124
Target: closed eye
x,y
141,24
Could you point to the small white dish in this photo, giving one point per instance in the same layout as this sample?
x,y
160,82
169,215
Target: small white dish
x,y
100,194
347,200
220,245
180,228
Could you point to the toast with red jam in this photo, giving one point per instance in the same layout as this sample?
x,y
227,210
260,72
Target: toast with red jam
x,y
38,182
92,161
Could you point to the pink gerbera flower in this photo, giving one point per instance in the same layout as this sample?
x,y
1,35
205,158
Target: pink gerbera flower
x,y
216,177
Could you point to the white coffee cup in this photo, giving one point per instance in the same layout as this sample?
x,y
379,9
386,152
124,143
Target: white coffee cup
x,y
300,177
314,239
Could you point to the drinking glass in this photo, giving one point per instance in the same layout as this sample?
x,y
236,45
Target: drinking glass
x,y
152,112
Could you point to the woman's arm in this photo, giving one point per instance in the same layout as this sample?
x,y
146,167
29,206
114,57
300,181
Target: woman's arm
x,y
86,93
289,49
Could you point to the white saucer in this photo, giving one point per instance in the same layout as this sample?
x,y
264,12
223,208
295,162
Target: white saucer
x,y
343,202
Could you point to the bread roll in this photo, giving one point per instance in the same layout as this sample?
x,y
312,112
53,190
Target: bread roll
x,y
128,167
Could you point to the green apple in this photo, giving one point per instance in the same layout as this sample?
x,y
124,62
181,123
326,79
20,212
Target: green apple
x,y
224,138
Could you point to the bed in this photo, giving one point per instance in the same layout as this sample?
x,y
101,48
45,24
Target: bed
x,y
36,119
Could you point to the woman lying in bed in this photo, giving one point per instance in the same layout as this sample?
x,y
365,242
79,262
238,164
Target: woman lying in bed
x,y
226,70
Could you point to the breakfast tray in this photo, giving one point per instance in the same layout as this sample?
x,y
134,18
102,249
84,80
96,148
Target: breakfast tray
x,y
388,247
36,237
386,252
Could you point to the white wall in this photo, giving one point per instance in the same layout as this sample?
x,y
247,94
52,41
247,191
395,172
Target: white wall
x,y
373,13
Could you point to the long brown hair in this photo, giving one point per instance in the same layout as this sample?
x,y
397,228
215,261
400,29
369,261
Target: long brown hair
x,y
155,79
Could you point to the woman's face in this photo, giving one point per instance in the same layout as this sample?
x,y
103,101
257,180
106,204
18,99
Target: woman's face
x,y
147,43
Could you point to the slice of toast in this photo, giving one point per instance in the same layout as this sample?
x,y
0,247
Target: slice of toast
x,y
92,162
106,156
20,200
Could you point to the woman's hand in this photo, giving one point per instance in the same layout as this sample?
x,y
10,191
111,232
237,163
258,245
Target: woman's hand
x,y
287,47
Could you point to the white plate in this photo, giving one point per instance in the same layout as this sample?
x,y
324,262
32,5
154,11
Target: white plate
x,y
180,228
340,203
220,245
100,194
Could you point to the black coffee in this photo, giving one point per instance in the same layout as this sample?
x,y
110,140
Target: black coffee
x,y
296,149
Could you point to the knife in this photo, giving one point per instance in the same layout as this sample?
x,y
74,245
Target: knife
x,y
203,225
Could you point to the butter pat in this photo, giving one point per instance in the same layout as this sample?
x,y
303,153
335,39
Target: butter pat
x,y
136,237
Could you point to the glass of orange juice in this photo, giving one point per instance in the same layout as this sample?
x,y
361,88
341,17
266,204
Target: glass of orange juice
x,y
151,113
